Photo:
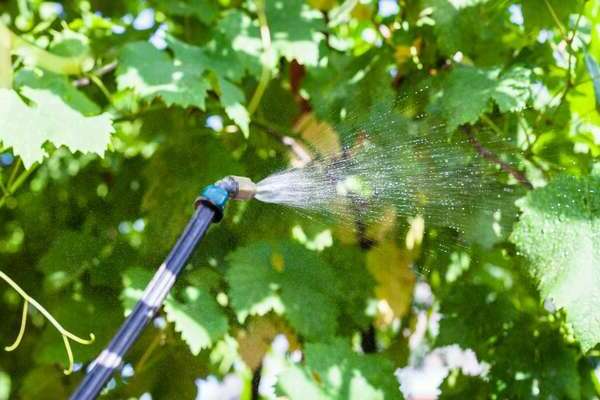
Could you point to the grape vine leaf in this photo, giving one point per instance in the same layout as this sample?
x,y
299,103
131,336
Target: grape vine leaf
x,y
457,24
513,341
232,99
60,86
358,286
134,280
594,71
468,91
152,73
198,318
205,10
70,255
365,80
333,371
288,279
539,347
467,306
236,48
391,268
538,14
559,232
255,339
42,383
26,128
91,313
295,30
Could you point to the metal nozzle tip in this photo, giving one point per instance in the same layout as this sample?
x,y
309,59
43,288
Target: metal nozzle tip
x,y
239,187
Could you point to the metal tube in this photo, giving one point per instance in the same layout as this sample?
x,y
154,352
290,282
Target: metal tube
x,y
112,356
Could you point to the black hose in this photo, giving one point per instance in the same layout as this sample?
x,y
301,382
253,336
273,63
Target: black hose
x,y
156,291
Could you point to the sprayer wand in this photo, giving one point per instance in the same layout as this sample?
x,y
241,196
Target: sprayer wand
x,y
209,208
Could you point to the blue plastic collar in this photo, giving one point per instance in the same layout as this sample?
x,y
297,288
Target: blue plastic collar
x,y
215,197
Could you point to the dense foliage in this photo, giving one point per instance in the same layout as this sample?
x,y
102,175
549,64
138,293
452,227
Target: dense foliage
x,y
114,114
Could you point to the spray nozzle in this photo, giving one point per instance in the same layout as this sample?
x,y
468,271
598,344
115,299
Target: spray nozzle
x,y
238,187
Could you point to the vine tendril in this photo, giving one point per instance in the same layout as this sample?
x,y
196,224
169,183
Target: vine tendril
x,y
66,335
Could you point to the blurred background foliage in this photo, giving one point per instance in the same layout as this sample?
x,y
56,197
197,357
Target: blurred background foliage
x,y
176,94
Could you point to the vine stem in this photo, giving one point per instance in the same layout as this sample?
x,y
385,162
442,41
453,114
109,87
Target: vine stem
x,y
149,350
37,56
14,171
569,37
66,335
15,182
267,56
492,157
98,82
101,71
555,18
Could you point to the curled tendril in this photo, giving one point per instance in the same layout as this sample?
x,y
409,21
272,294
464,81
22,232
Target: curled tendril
x,y
21,329
66,335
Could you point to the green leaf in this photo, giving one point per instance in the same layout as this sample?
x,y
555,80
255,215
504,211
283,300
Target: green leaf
x,y
81,314
538,14
199,319
152,73
5,383
468,307
70,255
365,80
237,47
205,10
458,28
135,281
333,371
287,278
26,128
295,30
60,86
540,349
467,93
559,232
512,89
594,71
513,341
42,383
232,99
358,285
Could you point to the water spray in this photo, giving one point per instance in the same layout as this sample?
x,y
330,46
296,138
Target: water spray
x,y
422,175
210,206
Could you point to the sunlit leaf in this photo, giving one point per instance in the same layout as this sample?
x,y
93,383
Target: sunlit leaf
x,y
26,128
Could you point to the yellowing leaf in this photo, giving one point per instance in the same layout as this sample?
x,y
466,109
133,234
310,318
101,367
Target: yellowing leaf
x,y
402,54
414,236
318,134
277,262
49,119
255,339
390,266
323,5
381,229
362,12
